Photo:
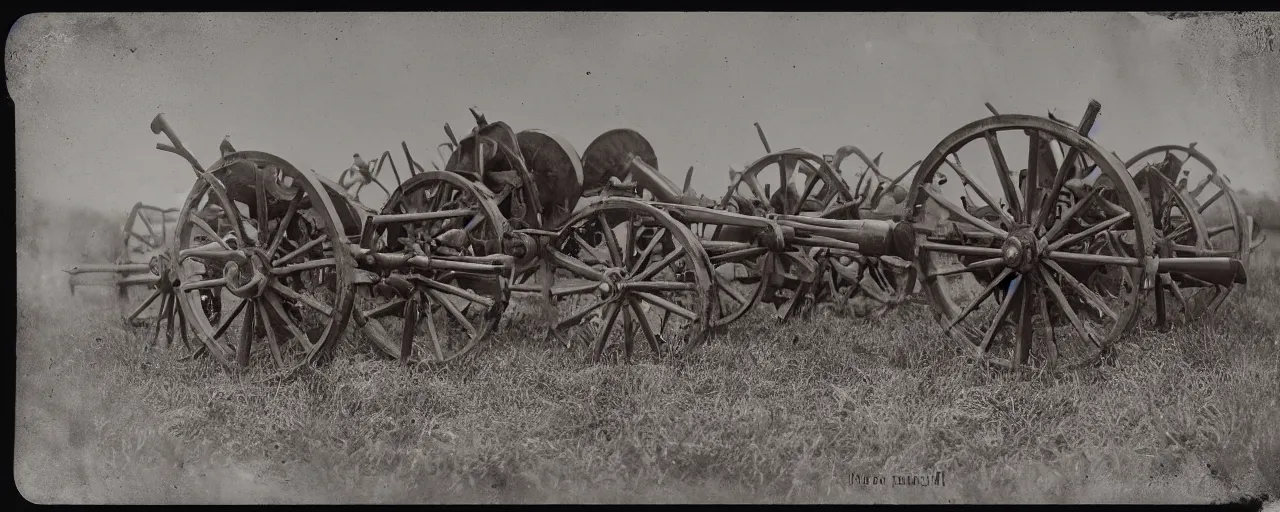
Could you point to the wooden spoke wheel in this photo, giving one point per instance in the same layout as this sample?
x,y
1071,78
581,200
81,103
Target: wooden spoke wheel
x,y
145,238
1024,290
1179,232
1191,171
769,186
738,264
432,315
649,281
260,255
1225,222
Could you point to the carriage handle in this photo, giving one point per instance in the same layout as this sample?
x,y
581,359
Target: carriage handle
x,y
449,131
160,125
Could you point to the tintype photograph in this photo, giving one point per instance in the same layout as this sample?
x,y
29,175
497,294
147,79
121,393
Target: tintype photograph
x,y
647,257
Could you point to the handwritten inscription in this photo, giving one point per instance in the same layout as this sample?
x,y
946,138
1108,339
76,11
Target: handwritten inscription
x,y
938,479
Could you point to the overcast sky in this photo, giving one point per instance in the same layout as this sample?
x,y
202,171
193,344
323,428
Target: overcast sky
x,y
315,88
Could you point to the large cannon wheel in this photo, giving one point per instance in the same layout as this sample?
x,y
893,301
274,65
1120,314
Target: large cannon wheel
x,y
260,254
451,311
988,283
652,280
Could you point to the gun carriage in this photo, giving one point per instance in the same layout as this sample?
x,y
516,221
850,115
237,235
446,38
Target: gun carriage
x,y
1051,269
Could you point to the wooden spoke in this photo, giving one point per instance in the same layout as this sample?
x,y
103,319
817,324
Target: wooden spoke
x,y
611,241
458,292
576,318
1071,214
293,328
586,246
1059,179
610,315
246,337
300,250
261,204
1067,309
283,226
960,212
1205,205
1092,259
986,292
209,231
384,309
727,287
1001,315
968,180
290,294
1089,296
1032,181
666,261
303,267
272,343
1052,353
143,307
1026,321
964,250
987,263
648,250
660,286
667,305
1090,231
645,328
226,322
575,265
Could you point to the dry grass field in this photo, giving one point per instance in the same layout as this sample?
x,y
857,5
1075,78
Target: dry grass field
x,y
765,413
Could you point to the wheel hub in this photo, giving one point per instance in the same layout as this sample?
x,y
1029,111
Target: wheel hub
x,y
612,286
1021,250
249,280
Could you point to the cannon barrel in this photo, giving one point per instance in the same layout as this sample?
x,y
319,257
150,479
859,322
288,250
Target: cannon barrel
x,y
662,188
1220,271
873,237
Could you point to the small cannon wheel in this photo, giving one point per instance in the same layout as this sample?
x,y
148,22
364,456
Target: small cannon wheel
x,y
260,253
735,268
448,313
1179,231
650,280
1214,200
144,239
789,280
1019,285
1213,195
